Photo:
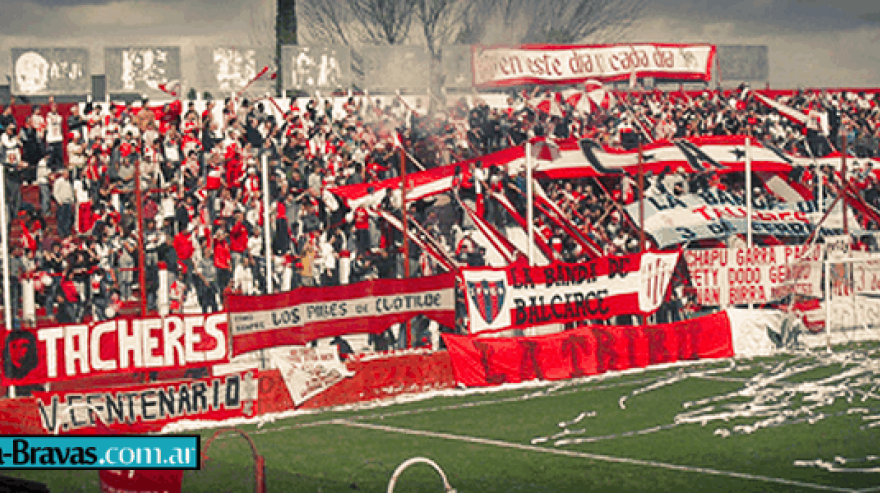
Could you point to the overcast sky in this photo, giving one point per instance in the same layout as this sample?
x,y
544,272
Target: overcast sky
x,y
812,42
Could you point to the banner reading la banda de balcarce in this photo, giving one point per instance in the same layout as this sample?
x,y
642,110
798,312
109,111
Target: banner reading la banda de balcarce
x,y
568,64
306,314
520,296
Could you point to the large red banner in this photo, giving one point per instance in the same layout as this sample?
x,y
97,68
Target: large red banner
x,y
566,64
148,408
307,314
520,296
70,352
480,361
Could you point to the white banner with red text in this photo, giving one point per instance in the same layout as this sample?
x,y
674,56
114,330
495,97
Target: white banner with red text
x,y
306,314
520,296
716,214
308,371
568,64
69,352
739,276
149,407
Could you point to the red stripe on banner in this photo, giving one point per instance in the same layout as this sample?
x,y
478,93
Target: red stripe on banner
x,y
307,314
478,362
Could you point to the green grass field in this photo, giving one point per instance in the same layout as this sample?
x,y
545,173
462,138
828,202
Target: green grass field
x,y
711,426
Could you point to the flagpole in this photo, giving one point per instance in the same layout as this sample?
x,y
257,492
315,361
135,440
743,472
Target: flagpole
x,y
7,294
267,237
530,211
843,179
748,192
641,200
403,207
142,265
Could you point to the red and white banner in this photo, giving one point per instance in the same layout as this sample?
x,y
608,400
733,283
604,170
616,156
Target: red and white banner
x,y
306,314
308,371
69,352
148,408
588,159
739,276
521,296
141,481
480,361
567,64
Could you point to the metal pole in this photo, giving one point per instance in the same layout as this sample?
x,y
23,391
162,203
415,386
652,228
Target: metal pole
x,y
530,210
142,257
843,178
748,192
266,226
641,201
7,293
641,212
828,296
403,211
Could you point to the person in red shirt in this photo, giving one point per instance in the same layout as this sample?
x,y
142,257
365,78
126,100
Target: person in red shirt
x,y
222,261
183,245
238,239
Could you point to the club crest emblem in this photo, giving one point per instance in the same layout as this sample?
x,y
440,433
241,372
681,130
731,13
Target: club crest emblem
x,y
487,297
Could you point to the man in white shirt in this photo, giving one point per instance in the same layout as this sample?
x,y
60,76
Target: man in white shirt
x,y
62,192
54,137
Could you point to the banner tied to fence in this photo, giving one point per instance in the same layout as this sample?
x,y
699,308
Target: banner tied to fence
x,y
70,352
520,296
306,314
738,276
149,407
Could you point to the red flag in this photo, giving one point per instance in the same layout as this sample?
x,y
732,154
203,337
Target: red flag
x,y
172,87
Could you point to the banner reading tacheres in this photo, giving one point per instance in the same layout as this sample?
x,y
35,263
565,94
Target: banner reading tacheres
x,y
145,408
560,64
305,314
737,276
68,352
520,296
586,351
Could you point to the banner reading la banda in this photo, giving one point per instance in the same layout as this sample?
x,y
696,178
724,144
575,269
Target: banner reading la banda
x,y
672,220
143,408
68,352
306,314
725,276
561,64
522,296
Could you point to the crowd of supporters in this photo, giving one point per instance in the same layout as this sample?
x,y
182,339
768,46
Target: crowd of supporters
x,y
198,175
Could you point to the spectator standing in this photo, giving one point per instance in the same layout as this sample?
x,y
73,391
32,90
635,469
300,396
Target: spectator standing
x,y
62,192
